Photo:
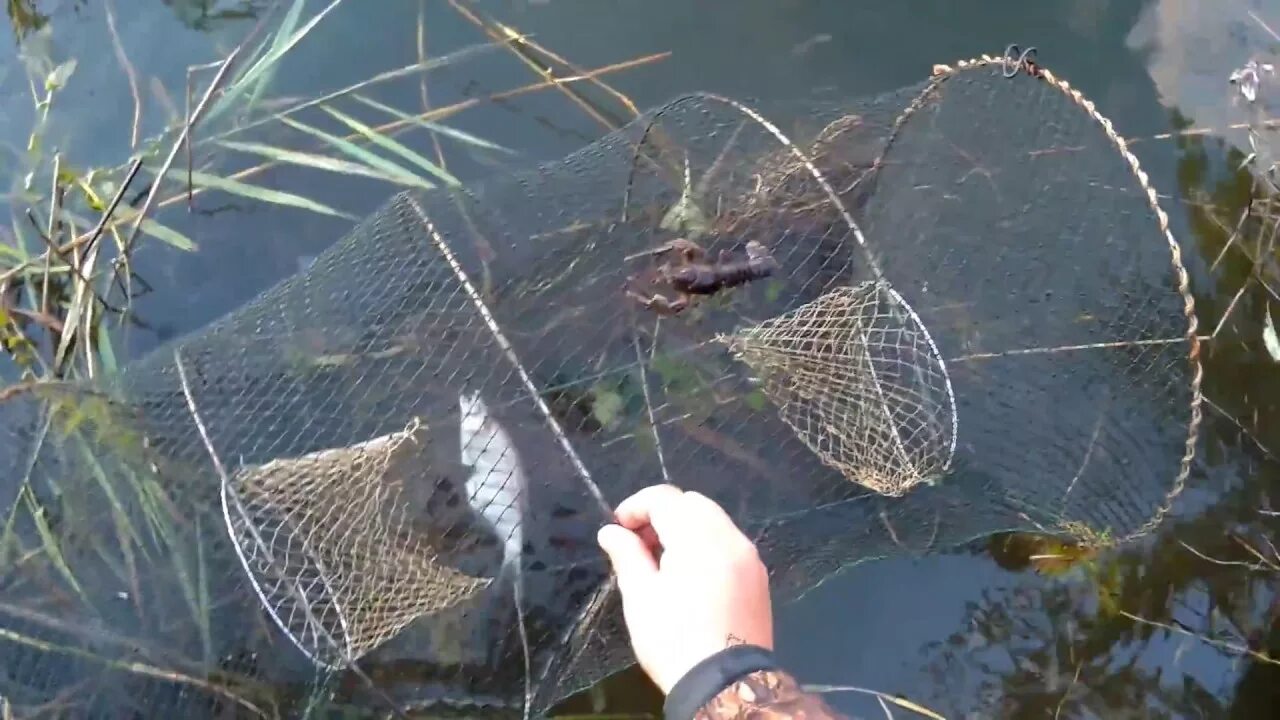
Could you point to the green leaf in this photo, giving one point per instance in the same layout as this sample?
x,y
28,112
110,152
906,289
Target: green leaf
x,y
261,194
288,24
108,489
283,33
160,232
401,175
445,130
105,353
8,537
606,407
755,400
388,143
60,75
305,159
278,51
91,196
67,176
773,290
50,543
12,252
167,235
205,604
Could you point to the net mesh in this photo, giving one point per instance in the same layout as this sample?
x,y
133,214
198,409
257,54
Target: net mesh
x,y
883,328
327,543
859,380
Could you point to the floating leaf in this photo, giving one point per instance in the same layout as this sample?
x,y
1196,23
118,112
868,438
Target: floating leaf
x,y
401,175
686,217
1269,339
607,407
58,78
386,142
261,194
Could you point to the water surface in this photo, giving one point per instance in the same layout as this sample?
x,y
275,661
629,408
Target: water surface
x,y
970,633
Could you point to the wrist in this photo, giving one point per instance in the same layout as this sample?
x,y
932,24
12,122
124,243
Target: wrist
x,y
711,675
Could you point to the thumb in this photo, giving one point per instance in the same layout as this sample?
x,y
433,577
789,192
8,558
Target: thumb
x,y
631,559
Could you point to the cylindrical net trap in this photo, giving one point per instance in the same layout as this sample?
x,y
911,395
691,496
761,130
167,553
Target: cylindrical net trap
x,y
872,327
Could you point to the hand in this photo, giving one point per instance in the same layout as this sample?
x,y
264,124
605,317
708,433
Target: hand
x,y
691,582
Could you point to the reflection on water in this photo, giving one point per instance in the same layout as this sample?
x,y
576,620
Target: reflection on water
x,y
979,631
1192,49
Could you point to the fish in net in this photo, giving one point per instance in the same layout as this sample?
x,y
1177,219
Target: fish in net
x,y
866,328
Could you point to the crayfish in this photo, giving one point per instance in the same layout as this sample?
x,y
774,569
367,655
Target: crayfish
x,y
691,274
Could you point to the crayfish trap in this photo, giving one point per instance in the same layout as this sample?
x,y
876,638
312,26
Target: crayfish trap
x,y
901,323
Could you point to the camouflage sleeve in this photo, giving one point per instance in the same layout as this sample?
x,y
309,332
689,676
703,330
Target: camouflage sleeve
x,y
771,694
740,682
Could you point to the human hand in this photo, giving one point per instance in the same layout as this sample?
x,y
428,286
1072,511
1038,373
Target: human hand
x,y
691,582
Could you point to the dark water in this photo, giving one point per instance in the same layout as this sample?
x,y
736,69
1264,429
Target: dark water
x,y
974,633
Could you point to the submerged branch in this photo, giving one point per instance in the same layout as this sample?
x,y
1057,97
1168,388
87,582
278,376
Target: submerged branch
x,y
1221,644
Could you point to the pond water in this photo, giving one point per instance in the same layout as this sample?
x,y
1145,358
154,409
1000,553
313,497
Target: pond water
x,y
972,633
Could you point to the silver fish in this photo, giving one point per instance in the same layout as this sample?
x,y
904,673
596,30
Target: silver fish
x,y
496,482
496,491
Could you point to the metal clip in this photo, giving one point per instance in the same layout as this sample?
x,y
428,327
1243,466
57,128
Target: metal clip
x,y
1016,59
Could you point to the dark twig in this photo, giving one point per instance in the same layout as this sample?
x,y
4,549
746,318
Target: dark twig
x,y
115,202
178,144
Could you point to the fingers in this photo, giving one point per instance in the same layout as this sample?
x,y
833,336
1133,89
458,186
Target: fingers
x,y
636,511
707,517
661,510
632,562
672,517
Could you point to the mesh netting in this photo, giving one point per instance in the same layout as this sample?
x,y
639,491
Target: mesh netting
x,y
883,326
859,380
326,543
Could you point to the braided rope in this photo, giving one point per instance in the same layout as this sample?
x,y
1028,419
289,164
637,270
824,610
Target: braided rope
x,y
941,74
